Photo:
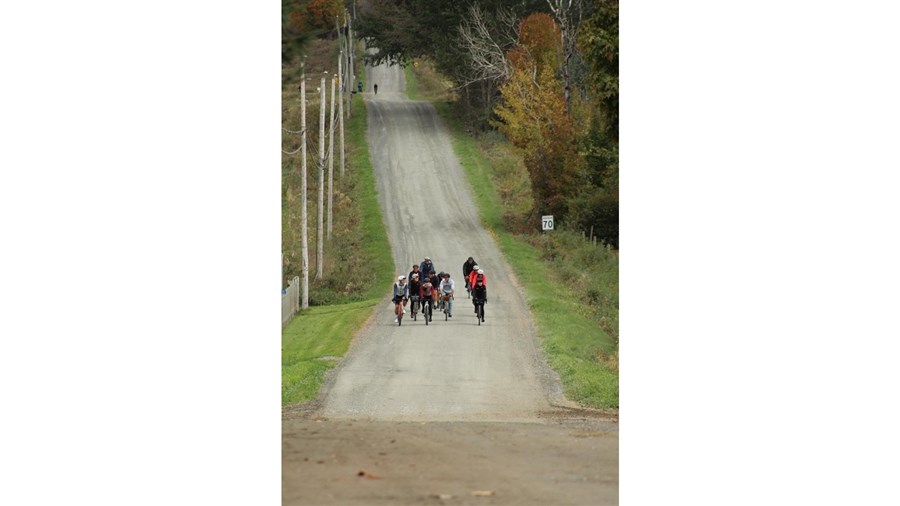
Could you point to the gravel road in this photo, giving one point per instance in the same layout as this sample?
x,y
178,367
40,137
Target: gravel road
x,y
453,412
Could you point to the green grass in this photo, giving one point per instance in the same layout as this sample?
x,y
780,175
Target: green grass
x,y
310,344
327,330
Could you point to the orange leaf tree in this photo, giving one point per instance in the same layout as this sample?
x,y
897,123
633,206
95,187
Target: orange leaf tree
x,y
534,117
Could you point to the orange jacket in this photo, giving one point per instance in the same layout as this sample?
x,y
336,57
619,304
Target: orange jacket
x,y
474,275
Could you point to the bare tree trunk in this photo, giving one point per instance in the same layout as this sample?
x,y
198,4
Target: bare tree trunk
x,y
304,233
331,159
568,15
319,218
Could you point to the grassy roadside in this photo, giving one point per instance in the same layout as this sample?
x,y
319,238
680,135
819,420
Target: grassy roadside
x,y
580,338
317,337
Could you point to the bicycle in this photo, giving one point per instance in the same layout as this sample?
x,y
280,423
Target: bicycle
x,y
427,310
445,303
479,310
414,306
398,310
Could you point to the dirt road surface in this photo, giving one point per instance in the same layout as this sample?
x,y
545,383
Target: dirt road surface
x,y
452,412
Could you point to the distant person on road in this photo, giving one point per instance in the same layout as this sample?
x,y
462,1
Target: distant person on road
x,y
446,288
467,269
376,89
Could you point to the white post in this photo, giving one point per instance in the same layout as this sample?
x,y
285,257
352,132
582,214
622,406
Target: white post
x,y
343,84
331,158
303,213
319,219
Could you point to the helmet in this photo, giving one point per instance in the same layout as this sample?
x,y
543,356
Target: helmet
x,y
427,259
475,267
472,259
480,271
401,278
415,276
446,275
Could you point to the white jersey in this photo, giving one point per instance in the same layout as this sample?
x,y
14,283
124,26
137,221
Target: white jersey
x,y
447,285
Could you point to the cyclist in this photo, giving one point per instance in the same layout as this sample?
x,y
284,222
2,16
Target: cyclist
x,y
467,269
435,282
479,294
426,293
415,270
401,294
426,266
477,274
447,287
437,285
414,285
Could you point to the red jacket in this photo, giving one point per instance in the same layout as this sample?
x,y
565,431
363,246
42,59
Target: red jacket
x,y
473,276
426,292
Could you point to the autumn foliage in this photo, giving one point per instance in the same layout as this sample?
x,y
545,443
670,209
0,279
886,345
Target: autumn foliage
x,y
534,116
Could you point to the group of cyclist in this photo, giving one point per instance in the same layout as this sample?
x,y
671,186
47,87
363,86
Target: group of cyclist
x,y
431,286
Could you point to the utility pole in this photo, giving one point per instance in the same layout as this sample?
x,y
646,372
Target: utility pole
x,y
342,84
350,55
304,233
331,158
319,225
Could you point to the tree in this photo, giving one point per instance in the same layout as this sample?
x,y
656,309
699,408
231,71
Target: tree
x,y
534,115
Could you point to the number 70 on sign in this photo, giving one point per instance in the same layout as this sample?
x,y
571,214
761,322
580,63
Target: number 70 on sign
x,y
547,222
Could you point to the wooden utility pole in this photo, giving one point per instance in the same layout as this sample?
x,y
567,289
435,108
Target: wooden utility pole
x,y
319,219
352,77
342,85
304,233
331,158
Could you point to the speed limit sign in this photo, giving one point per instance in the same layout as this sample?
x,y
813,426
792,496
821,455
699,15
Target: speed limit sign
x,y
547,222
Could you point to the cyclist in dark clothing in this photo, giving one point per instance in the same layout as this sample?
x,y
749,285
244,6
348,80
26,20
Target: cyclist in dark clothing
x,y
426,266
414,285
479,295
469,264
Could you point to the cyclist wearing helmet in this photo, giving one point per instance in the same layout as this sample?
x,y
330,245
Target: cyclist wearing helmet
x,y
426,266
477,275
401,294
414,285
479,294
476,271
426,293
